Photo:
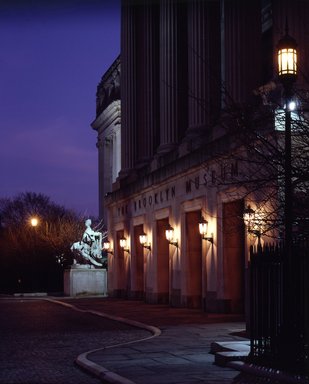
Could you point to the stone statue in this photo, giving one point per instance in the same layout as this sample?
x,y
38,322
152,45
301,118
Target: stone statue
x,y
90,247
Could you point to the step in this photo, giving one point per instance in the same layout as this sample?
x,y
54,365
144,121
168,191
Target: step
x,y
222,346
223,358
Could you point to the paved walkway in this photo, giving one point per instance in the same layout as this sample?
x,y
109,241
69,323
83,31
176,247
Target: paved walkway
x,y
40,340
126,342
176,349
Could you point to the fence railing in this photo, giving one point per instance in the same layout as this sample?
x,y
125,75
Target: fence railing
x,y
279,307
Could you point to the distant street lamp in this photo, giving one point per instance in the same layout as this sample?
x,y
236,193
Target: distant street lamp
x,y
34,221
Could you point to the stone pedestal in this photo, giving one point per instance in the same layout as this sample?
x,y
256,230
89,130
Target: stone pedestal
x,y
85,281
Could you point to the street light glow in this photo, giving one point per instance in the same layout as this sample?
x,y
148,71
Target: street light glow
x,y
34,221
292,105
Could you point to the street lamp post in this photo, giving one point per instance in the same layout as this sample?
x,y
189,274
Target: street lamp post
x,y
287,73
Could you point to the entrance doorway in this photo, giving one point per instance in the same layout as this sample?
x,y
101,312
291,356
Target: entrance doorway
x,y
234,255
121,268
163,263
137,265
194,262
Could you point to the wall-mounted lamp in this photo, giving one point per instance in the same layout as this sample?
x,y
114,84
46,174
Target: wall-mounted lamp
x,y
203,229
107,247
143,240
169,234
250,222
248,216
123,244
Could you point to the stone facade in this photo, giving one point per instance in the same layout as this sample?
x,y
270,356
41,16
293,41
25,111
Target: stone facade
x,y
107,125
184,65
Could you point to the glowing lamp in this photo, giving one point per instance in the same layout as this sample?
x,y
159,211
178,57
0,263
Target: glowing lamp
x,y
248,216
107,246
287,62
34,221
203,229
169,234
143,240
123,244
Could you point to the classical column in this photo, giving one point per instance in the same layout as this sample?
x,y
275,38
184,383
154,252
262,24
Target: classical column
x,y
116,153
128,88
203,65
101,166
173,59
148,77
242,40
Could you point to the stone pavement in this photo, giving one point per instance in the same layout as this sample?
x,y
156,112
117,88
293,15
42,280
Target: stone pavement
x,y
124,342
177,349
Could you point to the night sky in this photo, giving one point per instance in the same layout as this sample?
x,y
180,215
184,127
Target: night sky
x,y
52,57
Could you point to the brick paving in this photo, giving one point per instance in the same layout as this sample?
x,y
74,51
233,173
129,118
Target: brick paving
x,y
39,341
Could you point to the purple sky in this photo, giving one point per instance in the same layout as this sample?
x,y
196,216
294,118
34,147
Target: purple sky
x,y
52,56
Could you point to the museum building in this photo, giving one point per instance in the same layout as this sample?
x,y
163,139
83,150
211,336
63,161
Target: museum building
x,y
169,189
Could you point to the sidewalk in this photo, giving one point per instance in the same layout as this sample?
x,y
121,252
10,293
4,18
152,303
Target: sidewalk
x,y
176,348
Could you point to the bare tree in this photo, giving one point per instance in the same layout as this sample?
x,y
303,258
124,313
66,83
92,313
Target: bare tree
x,y
255,134
38,250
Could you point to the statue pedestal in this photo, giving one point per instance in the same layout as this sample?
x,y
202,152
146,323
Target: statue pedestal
x,y
84,280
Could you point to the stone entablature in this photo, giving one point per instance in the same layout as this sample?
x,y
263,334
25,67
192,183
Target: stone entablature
x,y
146,178
108,89
201,181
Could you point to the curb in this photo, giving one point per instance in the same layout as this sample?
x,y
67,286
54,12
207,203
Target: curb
x,y
96,369
99,371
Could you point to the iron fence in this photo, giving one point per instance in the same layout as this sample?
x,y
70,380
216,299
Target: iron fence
x,y
279,306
